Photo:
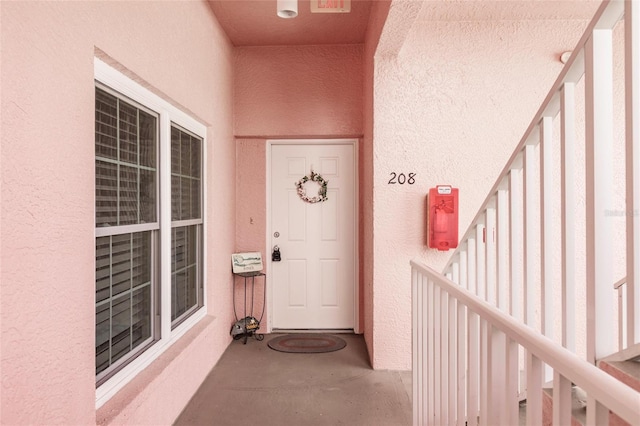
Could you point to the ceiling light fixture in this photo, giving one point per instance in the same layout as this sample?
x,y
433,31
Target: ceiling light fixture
x,y
287,8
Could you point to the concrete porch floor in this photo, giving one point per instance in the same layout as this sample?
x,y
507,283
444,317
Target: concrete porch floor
x,y
254,385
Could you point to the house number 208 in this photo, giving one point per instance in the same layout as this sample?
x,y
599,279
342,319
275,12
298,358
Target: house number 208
x,y
401,178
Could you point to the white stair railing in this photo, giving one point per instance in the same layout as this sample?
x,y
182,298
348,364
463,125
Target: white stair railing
x,y
488,332
518,250
465,364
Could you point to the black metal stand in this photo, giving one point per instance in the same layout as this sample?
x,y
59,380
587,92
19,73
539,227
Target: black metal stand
x,y
250,327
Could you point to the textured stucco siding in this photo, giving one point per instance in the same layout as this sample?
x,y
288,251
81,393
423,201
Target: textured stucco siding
x,y
282,91
48,266
378,17
450,106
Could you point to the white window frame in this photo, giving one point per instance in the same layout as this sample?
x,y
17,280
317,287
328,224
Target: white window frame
x,y
167,114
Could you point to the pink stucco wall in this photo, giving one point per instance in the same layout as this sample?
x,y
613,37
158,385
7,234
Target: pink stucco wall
x,y
251,217
283,92
379,12
47,283
450,106
250,205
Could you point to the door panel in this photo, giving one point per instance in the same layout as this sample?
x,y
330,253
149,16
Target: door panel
x,y
314,284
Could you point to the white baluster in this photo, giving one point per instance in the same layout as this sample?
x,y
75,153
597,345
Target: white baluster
x,y
567,135
561,400
462,365
471,265
453,356
502,236
534,390
599,185
513,380
444,357
597,414
516,242
529,246
481,274
431,357
473,348
547,234
416,346
485,412
426,348
455,271
497,365
464,279
437,352
490,245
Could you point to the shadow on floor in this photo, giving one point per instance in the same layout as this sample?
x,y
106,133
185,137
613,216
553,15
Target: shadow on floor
x,y
254,385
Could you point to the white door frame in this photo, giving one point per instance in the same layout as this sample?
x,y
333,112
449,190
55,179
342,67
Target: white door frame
x,y
269,284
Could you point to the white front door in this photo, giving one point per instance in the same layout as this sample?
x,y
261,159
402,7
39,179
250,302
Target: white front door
x,y
313,286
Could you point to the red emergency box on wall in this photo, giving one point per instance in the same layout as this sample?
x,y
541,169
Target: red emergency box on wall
x,y
442,222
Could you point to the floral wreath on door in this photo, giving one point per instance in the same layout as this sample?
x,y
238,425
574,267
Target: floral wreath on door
x,y
322,192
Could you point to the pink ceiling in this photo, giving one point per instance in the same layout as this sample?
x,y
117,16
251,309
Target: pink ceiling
x,y
255,23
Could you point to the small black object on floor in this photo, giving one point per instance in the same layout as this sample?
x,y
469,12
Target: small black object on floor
x,y
307,343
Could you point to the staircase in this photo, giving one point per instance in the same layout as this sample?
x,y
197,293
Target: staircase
x,y
623,366
521,327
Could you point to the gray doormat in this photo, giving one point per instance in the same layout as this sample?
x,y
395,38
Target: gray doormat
x,y
307,343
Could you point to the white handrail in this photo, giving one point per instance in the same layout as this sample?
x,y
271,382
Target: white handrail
x,y
600,387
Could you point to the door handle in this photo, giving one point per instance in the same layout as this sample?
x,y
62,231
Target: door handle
x,y
275,255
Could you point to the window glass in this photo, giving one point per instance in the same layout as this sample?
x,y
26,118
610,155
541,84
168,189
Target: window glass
x,y
186,162
185,270
106,125
123,296
186,239
126,139
106,193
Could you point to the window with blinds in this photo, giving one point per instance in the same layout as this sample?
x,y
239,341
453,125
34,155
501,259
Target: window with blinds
x,y
150,168
186,222
126,139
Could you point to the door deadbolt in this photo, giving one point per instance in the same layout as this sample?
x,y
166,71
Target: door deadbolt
x,y
275,255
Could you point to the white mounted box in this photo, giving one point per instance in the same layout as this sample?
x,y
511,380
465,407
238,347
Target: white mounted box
x,y
246,262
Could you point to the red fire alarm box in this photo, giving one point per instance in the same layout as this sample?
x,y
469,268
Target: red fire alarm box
x,y
442,222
